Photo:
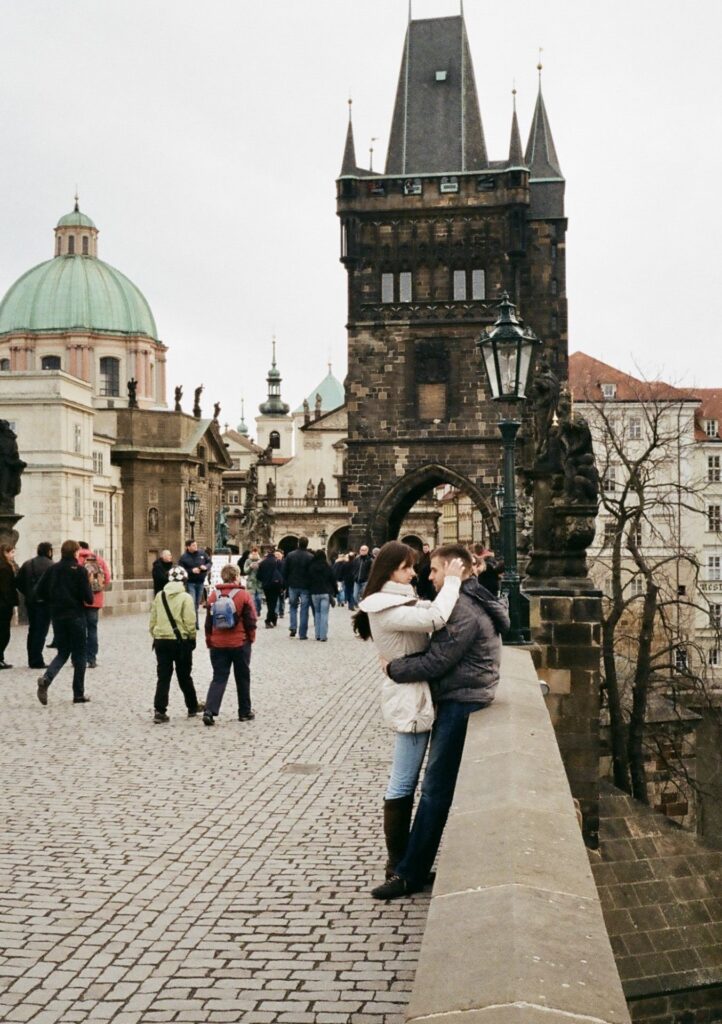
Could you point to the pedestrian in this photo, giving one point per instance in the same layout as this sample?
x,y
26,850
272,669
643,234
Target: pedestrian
x,y
196,565
98,572
347,580
38,612
322,588
8,597
399,624
281,602
161,567
361,569
254,588
173,628
489,568
461,665
271,579
295,580
230,632
424,586
66,589
338,566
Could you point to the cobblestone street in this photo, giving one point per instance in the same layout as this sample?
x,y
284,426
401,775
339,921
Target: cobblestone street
x,y
181,873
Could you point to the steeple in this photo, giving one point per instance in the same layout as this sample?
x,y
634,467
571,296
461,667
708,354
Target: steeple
x,y
516,155
274,405
242,428
541,156
349,154
436,127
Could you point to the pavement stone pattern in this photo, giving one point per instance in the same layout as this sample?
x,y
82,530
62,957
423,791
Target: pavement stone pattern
x,y
153,873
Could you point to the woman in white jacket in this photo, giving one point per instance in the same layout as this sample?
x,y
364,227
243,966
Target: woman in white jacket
x,y
399,624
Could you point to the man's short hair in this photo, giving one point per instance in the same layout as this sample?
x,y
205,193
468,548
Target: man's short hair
x,y
190,541
229,573
45,548
448,551
84,545
69,549
303,542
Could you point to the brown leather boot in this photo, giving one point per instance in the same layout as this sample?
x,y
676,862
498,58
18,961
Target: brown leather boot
x,y
397,820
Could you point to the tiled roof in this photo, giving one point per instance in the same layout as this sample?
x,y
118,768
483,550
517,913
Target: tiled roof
x,y
661,894
710,409
586,376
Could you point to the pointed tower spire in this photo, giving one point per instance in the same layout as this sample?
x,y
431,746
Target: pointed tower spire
x,y
541,155
348,165
516,154
274,404
242,427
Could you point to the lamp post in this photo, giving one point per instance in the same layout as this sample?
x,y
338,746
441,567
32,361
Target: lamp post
x,y
192,503
507,350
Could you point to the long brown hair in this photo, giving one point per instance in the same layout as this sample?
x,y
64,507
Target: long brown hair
x,y
392,556
4,549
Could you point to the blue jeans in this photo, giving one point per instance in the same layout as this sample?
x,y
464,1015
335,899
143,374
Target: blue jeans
x,y
70,639
437,791
297,596
321,604
349,588
358,592
258,601
409,750
222,660
91,625
196,592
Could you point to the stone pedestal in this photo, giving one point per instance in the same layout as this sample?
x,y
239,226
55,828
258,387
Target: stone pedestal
x,y
566,631
8,533
562,533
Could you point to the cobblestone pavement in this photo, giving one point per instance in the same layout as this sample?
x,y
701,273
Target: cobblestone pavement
x,y
180,873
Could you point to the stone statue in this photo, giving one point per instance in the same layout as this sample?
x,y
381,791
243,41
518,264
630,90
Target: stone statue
x,y
317,406
222,527
271,491
132,393
178,396
306,411
264,522
581,479
544,393
197,402
11,466
321,491
310,492
216,410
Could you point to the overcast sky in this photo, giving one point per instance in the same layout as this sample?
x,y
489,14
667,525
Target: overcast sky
x,y
205,140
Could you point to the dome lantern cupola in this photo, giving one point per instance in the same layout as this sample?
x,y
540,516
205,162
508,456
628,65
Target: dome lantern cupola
x,y
274,404
76,234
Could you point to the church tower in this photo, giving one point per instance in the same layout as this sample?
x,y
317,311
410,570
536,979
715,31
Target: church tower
x,y
429,246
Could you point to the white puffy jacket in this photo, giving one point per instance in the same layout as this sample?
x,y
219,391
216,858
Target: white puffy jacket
x,y
400,625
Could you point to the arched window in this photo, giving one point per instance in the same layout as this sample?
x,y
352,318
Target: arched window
x,y
110,376
50,363
274,439
71,245
85,245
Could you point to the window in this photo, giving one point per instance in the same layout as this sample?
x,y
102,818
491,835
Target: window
x,y
4,364
58,240
77,503
50,363
715,615
636,585
714,567
680,658
478,284
711,428
609,480
110,376
98,512
387,287
635,428
412,187
405,286
713,469
85,245
635,533
553,251
431,360
713,658
71,245
459,285
555,323
555,286
98,463
274,439
232,497
449,183
486,183
682,590
609,390
610,532
77,438
714,518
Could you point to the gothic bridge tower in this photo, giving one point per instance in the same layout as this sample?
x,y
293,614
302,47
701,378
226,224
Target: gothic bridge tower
x,y
429,245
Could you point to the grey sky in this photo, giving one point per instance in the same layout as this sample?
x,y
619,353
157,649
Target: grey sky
x,y
205,140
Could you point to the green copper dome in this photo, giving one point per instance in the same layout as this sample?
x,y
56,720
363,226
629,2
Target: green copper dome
x,y
75,219
76,292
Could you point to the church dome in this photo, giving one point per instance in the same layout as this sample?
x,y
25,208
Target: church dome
x,y
75,219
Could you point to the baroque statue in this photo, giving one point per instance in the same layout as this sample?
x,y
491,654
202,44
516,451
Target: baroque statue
x,y
197,402
11,466
178,396
132,393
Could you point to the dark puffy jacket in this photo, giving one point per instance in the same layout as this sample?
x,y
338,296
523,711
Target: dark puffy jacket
x,y
321,579
30,574
160,574
66,588
8,593
362,568
191,560
295,568
269,571
462,660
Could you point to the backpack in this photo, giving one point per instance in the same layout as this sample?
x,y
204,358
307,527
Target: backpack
x,y
223,610
95,574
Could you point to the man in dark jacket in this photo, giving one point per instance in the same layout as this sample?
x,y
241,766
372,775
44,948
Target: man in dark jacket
x,y
424,586
161,567
28,577
461,664
196,563
295,578
361,570
66,588
271,579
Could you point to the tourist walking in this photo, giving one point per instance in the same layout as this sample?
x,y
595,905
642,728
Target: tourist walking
x,y
161,567
271,579
173,628
361,570
254,588
322,588
98,572
230,632
295,580
38,612
399,624
8,597
337,567
196,565
281,597
424,586
461,665
346,574
66,589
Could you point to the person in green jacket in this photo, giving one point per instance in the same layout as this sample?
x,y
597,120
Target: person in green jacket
x,y
173,628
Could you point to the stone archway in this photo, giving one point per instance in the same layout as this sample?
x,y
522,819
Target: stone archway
x,y
288,543
401,497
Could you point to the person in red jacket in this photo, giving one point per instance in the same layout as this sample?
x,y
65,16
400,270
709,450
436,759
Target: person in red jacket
x,y
230,631
99,575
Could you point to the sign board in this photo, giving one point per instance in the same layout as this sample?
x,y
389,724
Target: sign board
x,y
217,563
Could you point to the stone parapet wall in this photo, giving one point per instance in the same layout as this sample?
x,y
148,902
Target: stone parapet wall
x,y
127,597
515,931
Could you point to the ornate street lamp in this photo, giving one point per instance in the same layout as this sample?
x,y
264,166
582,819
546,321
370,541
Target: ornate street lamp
x,y
192,504
507,350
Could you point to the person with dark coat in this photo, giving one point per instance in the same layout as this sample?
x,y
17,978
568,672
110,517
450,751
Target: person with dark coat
x,y
30,574
66,588
346,575
424,586
270,577
161,567
361,569
322,587
295,580
8,597
196,564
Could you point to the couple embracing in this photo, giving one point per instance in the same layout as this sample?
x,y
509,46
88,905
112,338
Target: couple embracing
x,y
430,689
